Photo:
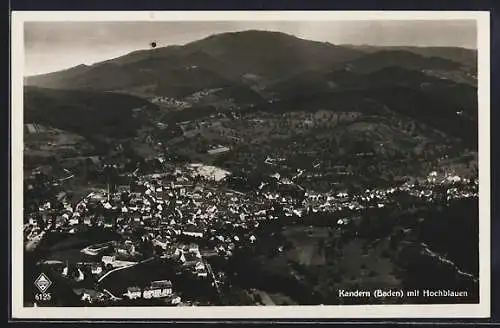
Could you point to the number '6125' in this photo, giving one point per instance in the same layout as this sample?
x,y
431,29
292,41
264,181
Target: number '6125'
x,y
43,297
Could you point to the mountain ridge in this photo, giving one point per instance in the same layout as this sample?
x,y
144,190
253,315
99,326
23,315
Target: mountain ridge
x,y
427,51
254,69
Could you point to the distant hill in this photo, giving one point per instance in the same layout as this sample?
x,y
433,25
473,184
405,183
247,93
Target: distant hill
x,y
243,64
271,54
458,68
463,96
87,113
231,61
400,58
265,70
443,104
63,75
466,57
402,66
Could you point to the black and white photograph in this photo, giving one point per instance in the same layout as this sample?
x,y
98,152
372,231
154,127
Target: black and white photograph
x,y
272,164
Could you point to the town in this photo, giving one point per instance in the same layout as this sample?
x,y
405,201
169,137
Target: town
x,y
165,228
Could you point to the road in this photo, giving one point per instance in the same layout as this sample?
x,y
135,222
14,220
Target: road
x,y
124,267
211,272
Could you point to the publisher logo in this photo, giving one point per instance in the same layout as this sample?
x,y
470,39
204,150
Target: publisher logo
x,y
43,283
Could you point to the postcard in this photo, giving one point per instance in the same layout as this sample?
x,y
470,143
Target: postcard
x,y
250,165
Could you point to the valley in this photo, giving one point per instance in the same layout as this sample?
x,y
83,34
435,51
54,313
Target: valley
x,y
297,171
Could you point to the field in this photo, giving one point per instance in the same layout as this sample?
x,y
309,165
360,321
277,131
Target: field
x,y
378,250
334,146
308,245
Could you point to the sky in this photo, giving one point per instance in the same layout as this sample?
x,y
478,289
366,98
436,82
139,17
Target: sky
x,y
52,46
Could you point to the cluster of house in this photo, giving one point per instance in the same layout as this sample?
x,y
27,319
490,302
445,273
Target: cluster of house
x,y
194,210
157,289
456,187
101,262
197,96
446,178
171,102
189,203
